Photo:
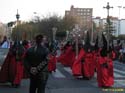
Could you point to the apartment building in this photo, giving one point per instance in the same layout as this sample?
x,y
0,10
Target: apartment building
x,y
82,16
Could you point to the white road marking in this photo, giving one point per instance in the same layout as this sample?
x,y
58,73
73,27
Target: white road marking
x,y
68,69
58,74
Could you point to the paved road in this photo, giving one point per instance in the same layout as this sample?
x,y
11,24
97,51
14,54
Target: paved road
x,y
62,81
66,83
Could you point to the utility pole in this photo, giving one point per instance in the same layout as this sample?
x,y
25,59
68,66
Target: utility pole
x,y
108,22
17,17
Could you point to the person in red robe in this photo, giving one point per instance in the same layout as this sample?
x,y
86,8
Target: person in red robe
x,y
26,46
105,77
68,55
96,54
63,52
12,68
53,47
77,65
59,58
52,62
88,63
84,64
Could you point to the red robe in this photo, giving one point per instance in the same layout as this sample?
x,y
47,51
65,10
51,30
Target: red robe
x,y
59,58
113,55
25,73
11,71
88,65
68,57
95,58
105,74
4,76
52,63
77,65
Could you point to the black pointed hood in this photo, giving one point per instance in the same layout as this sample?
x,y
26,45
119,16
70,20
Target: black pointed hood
x,y
87,43
96,47
103,51
104,41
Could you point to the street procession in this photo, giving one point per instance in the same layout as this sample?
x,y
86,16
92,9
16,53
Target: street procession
x,y
62,55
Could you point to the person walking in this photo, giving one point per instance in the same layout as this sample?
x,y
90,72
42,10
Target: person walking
x,y
12,68
36,64
105,76
5,43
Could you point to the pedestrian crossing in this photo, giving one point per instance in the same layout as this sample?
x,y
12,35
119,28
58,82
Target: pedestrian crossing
x,y
58,74
68,69
119,75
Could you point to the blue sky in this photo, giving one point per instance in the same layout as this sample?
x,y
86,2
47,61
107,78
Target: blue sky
x,y
26,8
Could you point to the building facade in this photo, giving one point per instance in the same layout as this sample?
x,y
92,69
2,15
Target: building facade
x,y
118,26
3,30
122,26
82,16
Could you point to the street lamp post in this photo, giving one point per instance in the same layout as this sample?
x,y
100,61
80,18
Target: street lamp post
x,y
17,17
108,22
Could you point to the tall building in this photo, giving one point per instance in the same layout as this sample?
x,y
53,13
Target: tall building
x,y
82,16
122,26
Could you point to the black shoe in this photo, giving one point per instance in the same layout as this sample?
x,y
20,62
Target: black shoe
x,y
12,84
17,85
86,78
106,86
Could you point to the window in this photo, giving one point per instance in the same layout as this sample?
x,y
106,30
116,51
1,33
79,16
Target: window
x,y
88,13
88,10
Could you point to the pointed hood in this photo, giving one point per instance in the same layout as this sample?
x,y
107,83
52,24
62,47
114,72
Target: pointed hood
x,y
112,46
87,43
104,41
96,44
103,51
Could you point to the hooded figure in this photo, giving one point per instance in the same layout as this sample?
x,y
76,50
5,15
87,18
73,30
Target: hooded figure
x,y
105,76
96,53
87,60
12,68
96,47
87,45
83,65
